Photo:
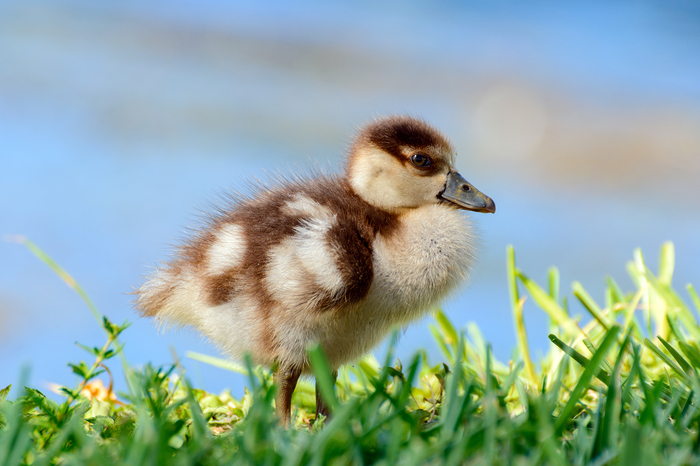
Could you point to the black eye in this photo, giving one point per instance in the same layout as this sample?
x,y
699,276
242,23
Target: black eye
x,y
420,160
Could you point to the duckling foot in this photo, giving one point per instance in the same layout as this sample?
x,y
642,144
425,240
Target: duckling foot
x,y
286,379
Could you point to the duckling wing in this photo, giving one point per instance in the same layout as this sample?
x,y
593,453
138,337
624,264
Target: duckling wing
x,y
326,260
262,276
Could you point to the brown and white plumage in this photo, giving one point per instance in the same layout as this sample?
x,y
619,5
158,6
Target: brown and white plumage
x,y
337,260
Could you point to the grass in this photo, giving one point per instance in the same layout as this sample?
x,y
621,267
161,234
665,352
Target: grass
x,y
621,389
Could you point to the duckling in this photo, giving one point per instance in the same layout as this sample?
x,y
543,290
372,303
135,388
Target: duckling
x,y
334,259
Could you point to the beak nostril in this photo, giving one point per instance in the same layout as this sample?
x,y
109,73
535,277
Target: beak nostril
x,y
466,187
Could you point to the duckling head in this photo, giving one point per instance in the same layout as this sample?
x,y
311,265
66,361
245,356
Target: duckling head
x,y
398,163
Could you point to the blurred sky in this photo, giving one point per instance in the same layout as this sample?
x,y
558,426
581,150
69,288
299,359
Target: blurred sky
x,y
120,121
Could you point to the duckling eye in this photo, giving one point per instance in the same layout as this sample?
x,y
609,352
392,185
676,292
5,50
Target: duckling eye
x,y
420,160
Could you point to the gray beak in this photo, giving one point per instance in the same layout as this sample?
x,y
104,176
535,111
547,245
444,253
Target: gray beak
x,y
461,193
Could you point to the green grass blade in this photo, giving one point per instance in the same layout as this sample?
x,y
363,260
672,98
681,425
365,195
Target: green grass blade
x,y
589,372
676,355
551,307
590,304
610,427
511,275
449,334
579,358
322,371
199,424
672,305
694,296
490,404
632,453
15,437
667,262
217,362
669,362
629,313
548,438
442,346
554,280
691,353
617,293
4,392
339,423
630,394
523,346
591,347
75,286
60,271
453,404
238,368
512,377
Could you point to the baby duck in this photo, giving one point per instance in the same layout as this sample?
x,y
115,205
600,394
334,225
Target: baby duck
x,y
336,259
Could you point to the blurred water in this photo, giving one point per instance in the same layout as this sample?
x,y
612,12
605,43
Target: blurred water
x,y
119,123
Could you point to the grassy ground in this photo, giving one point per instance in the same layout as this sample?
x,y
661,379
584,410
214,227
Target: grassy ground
x,y
619,390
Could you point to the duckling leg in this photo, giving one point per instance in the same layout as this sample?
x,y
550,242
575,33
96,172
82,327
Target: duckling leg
x,y
321,406
286,379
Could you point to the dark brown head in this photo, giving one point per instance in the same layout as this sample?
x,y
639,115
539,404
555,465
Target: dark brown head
x,y
399,162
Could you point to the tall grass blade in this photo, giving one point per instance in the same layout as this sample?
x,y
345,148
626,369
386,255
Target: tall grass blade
x,y
609,430
554,280
617,293
511,275
322,372
669,362
590,304
584,381
523,345
454,405
579,358
667,263
676,355
694,296
65,276
691,353
551,307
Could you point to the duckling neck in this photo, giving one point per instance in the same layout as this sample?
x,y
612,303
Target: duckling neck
x,y
372,204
